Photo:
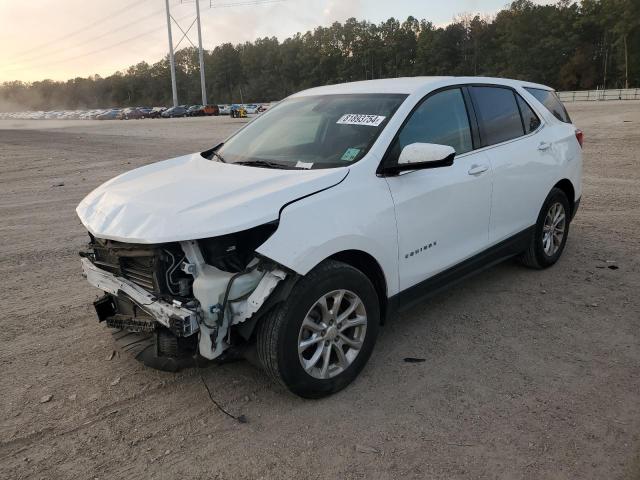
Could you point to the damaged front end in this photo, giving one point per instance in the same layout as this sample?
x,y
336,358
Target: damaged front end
x,y
180,299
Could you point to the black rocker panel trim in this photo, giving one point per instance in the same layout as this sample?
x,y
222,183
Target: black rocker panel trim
x,y
493,255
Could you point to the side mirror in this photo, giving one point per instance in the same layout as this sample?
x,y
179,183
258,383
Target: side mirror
x,y
418,156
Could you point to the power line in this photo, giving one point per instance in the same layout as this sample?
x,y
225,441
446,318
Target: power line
x,y
244,3
30,59
68,59
86,27
213,4
129,39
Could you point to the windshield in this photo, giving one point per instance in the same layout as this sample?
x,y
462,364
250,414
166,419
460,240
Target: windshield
x,y
312,132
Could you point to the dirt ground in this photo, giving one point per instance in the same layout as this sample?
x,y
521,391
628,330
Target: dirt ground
x,y
528,374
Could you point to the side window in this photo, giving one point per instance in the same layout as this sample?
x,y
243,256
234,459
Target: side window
x,y
550,100
529,118
442,119
499,114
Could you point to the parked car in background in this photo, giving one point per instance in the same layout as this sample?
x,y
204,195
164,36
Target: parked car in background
x,y
72,114
173,112
109,114
210,110
203,110
238,111
251,108
145,112
156,112
90,114
131,113
195,111
224,109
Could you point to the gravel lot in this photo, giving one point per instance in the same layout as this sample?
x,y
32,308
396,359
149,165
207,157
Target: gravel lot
x,y
528,374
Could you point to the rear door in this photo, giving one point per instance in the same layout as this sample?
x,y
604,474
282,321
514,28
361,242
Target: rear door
x,y
518,149
442,214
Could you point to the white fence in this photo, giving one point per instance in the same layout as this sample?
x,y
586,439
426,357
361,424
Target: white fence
x,y
611,94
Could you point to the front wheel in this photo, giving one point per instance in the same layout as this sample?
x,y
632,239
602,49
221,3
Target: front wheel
x,y
551,231
319,340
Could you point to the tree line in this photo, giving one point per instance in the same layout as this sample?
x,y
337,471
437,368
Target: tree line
x,y
568,45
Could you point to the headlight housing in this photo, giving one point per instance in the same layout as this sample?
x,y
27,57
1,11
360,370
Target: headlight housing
x,y
234,251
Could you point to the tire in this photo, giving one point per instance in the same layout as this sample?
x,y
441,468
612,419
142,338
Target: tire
x,y
281,331
540,253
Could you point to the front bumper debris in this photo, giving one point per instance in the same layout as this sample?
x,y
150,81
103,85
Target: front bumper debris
x,y
181,321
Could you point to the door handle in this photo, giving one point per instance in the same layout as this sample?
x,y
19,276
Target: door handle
x,y
544,146
478,169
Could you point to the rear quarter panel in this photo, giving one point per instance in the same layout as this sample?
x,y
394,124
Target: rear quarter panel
x,y
566,150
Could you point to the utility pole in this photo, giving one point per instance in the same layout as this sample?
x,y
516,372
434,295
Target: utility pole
x,y
172,61
202,85
626,62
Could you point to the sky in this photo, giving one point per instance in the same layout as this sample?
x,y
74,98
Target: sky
x,y
61,39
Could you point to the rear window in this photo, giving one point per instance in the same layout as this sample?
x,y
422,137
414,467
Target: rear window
x,y
550,100
499,114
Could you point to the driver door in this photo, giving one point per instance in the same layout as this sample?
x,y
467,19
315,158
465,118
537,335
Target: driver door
x,y
442,214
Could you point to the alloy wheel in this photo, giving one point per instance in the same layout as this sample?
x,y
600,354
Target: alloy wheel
x,y
332,334
553,230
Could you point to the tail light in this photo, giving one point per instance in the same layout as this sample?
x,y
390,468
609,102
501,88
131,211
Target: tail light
x,y
579,136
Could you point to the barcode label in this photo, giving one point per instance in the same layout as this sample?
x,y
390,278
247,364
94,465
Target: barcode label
x,y
361,119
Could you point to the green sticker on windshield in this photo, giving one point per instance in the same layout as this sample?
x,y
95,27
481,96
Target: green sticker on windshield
x,y
350,154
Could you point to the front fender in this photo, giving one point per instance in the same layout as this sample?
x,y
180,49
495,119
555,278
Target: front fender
x,y
354,215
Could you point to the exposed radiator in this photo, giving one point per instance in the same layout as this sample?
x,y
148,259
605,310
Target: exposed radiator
x,y
140,271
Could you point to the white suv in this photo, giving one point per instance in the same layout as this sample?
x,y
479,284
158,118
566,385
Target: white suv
x,y
302,232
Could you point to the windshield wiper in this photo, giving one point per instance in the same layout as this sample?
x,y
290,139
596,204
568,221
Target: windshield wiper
x,y
265,164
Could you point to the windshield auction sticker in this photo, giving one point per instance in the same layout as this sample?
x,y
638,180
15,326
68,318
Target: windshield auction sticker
x,y
361,119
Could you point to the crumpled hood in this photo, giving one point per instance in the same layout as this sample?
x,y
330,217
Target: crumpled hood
x,y
190,197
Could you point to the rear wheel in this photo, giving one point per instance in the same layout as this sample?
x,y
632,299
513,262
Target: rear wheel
x,y
551,231
319,340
